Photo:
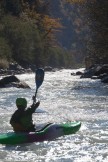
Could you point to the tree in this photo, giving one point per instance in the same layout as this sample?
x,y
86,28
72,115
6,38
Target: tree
x,y
28,29
98,43
95,13
11,7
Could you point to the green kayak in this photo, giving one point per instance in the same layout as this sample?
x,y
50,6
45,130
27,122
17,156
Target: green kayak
x,y
48,133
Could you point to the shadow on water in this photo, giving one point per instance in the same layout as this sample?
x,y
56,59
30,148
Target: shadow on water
x,y
21,147
91,88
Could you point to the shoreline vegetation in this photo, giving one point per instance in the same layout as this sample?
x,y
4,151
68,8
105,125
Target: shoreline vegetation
x,y
33,35
12,69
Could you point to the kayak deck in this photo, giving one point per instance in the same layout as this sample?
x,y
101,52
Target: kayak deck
x,y
49,132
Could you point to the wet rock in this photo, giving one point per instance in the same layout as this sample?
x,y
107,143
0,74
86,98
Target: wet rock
x,y
79,73
101,76
73,74
12,81
101,69
105,79
48,68
15,68
94,77
18,85
97,70
88,73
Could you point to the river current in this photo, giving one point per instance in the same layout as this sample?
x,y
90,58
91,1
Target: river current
x,y
63,97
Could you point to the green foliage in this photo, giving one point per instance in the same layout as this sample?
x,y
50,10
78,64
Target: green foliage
x,y
5,50
23,38
58,57
11,7
23,43
27,33
97,43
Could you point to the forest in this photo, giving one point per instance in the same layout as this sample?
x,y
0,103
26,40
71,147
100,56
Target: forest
x,y
61,33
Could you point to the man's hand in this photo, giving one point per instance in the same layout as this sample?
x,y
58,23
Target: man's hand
x,y
34,99
35,105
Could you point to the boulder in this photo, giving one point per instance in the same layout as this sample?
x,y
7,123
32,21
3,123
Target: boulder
x,y
96,70
12,81
88,73
79,73
48,68
105,79
101,69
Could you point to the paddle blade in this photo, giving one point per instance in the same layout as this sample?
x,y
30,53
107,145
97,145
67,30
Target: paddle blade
x,y
39,77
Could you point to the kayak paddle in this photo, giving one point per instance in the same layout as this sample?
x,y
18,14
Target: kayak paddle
x,y
39,77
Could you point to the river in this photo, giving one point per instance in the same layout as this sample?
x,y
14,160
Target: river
x,y
63,98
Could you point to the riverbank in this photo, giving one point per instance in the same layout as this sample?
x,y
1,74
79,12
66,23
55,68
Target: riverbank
x,y
15,69
97,72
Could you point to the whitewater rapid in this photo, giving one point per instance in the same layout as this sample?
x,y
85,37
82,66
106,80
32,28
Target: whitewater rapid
x,y
63,97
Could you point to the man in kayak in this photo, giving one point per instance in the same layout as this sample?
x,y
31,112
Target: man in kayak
x,y
21,120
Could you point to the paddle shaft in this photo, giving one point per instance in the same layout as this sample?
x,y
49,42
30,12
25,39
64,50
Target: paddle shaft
x,y
39,77
34,99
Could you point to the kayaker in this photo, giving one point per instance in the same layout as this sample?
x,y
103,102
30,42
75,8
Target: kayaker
x,y
21,120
